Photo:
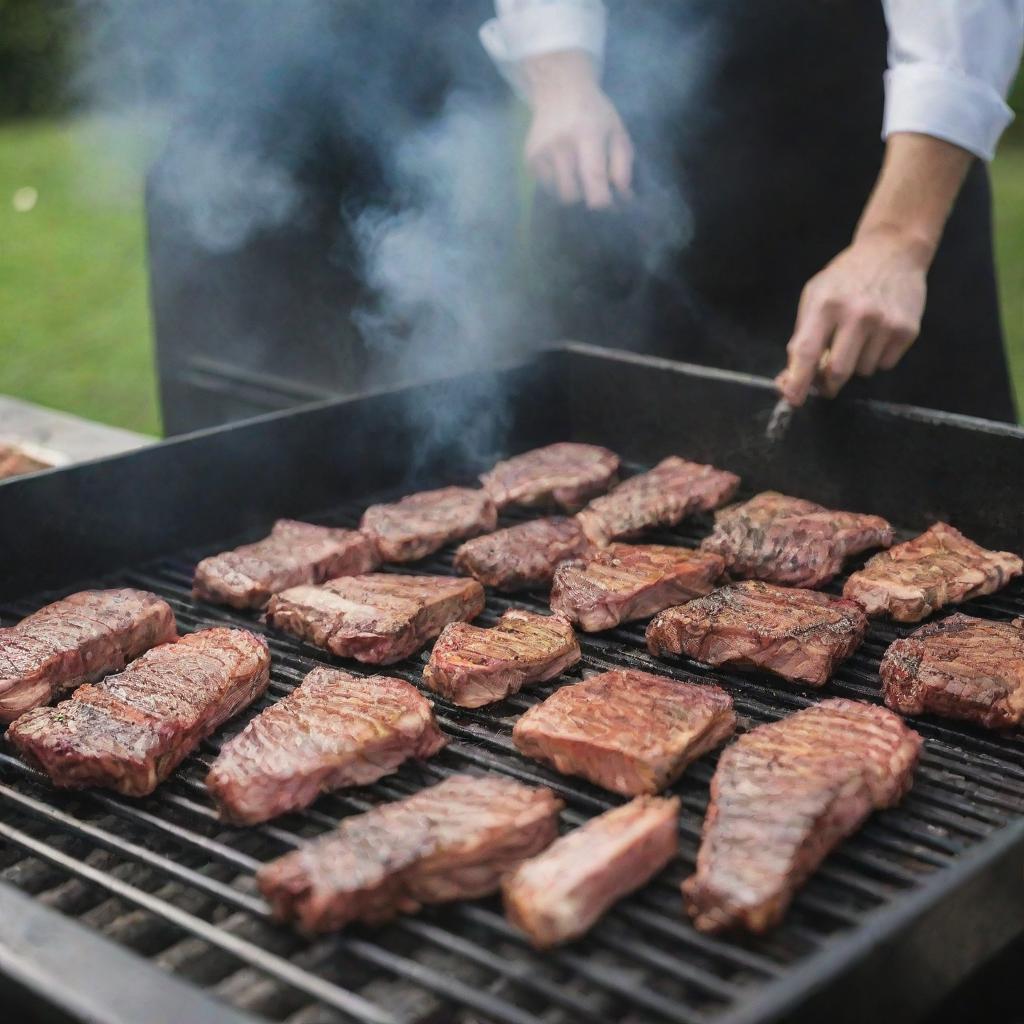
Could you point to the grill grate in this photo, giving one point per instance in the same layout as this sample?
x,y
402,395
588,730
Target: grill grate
x,y
164,877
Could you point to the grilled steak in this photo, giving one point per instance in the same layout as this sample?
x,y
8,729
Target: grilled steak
x,y
801,635
624,582
130,731
565,474
333,730
663,496
960,667
940,567
630,732
453,841
472,666
77,640
420,524
791,541
559,894
783,796
522,556
379,618
293,553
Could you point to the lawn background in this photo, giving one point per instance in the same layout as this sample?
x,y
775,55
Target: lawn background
x,y
74,319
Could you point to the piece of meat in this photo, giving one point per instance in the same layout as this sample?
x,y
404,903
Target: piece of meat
x,y
453,841
293,553
76,640
663,496
941,566
559,894
471,666
630,732
130,731
790,541
801,635
524,556
783,796
420,524
624,582
960,667
565,474
379,618
333,730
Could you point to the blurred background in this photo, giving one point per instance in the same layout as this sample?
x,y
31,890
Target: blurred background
x,y
75,330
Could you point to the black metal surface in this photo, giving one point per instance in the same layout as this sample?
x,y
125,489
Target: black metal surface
x,y
894,918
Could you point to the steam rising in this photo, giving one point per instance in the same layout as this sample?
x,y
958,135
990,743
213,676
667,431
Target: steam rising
x,y
256,97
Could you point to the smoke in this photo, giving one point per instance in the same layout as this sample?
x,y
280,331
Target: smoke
x,y
461,269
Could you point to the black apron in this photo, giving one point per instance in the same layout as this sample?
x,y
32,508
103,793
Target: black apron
x,y
775,144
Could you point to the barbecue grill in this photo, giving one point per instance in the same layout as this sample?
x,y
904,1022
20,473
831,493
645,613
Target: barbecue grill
x,y
128,911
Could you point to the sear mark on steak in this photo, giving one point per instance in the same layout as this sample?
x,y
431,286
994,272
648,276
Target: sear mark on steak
x,y
292,554
421,524
782,797
453,841
624,582
130,731
471,666
940,567
559,894
76,640
801,635
378,618
790,541
961,667
663,496
566,474
630,732
333,730
524,556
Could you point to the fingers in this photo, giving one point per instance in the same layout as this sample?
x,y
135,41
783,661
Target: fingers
x,y
620,163
593,172
844,356
901,337
566,179
814,329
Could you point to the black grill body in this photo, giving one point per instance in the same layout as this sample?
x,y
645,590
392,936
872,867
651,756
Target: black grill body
x,y
895,917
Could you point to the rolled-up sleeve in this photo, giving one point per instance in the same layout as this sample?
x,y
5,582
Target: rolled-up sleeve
x,y
529,28
951,64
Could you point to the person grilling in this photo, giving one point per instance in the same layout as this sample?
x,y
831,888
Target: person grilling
x,y
836,168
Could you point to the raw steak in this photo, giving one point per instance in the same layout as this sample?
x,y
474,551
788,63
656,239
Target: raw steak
x,y
76,640
559,894
130,731
379,618
630,732
471,666
663,496
624,582
294,553
783,796
940,567
453,841
801,635
420,524
960,667
333,730
791,541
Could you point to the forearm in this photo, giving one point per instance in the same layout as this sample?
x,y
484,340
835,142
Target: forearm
x,y
912,199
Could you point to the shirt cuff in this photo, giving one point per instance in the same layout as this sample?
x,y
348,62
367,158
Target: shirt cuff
x,y
940,101
531,29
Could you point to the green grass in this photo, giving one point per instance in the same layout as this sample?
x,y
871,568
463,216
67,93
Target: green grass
x,y
74,318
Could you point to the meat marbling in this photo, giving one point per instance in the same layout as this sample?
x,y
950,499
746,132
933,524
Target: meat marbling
x,y
566,474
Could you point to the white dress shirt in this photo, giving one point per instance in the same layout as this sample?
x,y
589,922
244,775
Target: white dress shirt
x,y
951,62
